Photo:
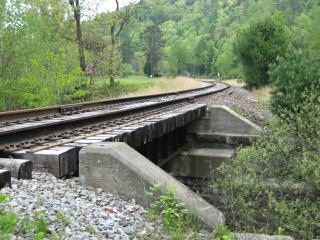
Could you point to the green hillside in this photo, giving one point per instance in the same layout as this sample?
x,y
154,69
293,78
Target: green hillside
x,y
41,43
199,35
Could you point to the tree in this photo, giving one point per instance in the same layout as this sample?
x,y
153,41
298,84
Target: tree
x,y
202,57
295,75
257,47
75,5
2,21
152,45
118,21
179,58
96,46
38,67
307,27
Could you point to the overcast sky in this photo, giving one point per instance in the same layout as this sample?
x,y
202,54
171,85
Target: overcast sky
x,y
108,5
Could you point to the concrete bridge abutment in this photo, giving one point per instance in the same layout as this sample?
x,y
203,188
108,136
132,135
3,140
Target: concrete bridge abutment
x,y
117,168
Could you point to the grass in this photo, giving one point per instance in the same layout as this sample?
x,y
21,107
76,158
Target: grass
x,y
141,85
262,95
132,83
163,85
41,201
235,82
241,113
90,230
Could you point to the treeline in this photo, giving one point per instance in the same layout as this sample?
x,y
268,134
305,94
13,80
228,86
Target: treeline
x,y
199,35
52,51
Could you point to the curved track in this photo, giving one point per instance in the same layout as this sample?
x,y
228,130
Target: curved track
x,y
43,127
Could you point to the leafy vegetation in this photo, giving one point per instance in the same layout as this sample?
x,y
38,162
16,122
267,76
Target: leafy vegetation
x,y
295,76
35,228
259,46
42,43
275,182
152,45
167,208
222,232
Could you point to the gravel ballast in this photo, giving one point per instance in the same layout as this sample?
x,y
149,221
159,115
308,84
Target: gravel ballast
x,y
242,100
91,213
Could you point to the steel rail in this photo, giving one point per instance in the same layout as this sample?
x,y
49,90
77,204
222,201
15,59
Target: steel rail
x,y
95,114
52,110
36,129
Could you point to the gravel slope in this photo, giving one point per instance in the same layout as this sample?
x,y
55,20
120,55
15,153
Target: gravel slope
x,y
92,213
242,99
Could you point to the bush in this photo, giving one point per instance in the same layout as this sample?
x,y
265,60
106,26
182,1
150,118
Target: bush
x,y
294,74
276,181
257,47
174,221
126,69
168,206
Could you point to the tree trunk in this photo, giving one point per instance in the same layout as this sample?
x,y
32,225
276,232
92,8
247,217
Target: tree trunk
x,y
114,35
111,63
77,15
2,20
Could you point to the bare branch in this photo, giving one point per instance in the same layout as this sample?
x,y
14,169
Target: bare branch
x,y
117,2
124,21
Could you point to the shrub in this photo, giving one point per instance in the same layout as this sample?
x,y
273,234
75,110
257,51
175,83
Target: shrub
x,y
294,74
276,181
126,69
168,207
257,47
176,222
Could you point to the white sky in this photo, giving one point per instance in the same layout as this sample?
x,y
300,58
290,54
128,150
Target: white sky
x,y
108,5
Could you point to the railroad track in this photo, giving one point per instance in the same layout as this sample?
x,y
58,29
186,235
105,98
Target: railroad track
x,y
42,128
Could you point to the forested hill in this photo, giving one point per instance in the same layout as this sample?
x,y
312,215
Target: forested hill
x,y
60,51
199,34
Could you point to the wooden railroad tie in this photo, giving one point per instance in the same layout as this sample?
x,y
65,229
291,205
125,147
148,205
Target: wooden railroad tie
x,y
36,149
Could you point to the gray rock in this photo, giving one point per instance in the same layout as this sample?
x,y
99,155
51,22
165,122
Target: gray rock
x,y
84,208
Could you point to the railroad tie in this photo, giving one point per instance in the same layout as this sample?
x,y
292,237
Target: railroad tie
x,y
60,161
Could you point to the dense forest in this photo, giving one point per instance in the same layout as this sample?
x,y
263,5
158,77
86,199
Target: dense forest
x,y
51,51
199,35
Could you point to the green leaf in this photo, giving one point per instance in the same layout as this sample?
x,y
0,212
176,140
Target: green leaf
x,y
148,193
8,222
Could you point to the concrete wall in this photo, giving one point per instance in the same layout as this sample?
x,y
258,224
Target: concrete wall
x,y
119,169
221,119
